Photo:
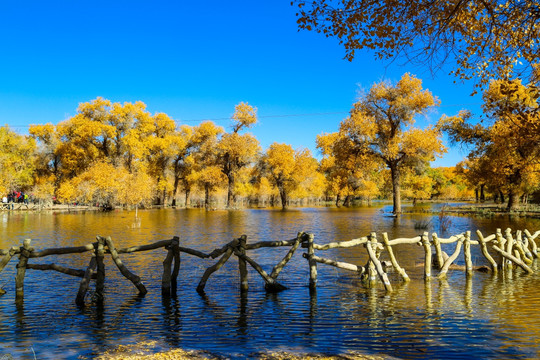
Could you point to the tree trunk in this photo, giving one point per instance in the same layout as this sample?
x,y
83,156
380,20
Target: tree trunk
x,y
175,190
338,199
482,195
230,190
206,197
394,170
347,201
476,194
502,196
187,197
283,195
512,203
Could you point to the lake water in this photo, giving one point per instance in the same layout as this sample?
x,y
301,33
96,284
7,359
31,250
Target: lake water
x,y
485,317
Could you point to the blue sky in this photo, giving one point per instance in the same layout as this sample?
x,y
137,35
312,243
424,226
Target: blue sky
x,y
193,61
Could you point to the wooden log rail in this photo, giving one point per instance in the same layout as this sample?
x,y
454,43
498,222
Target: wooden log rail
x,y
502,251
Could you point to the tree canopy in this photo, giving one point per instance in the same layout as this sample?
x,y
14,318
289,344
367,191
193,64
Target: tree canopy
x,y
485,38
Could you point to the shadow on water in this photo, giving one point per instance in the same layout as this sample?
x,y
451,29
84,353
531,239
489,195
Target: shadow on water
x,y
478,316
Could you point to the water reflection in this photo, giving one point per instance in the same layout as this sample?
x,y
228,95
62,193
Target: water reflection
x,y
477,315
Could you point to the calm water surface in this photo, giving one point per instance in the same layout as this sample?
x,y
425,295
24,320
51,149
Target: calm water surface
x,y
485,317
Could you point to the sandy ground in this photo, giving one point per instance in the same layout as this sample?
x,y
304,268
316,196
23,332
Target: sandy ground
x,y
143,351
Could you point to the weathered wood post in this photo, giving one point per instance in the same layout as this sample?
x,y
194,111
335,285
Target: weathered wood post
x,y
483,247
467,253
427,250
7,258
371,245
242,265
532,243
100,275
21,269
85,281
176,269
393,259
216,266
500,241
167,268
129,275
312,264
277,269
509,246
438,251
452,258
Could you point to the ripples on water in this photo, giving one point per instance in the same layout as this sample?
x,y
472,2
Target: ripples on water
x,y
483,317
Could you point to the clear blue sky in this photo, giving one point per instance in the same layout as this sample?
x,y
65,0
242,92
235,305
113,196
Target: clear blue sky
x,y
193,61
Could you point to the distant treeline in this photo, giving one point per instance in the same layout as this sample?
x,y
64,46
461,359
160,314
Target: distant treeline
x,y
115,154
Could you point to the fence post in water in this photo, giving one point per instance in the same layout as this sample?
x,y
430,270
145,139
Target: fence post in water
x,y
427,260
167,268
371,247
532,244
509,246
242,265
21,269
130,276
438,251
312,264
216,266
467,253
176,269
500,241
484,249
393,259
451,259
100,279
85,282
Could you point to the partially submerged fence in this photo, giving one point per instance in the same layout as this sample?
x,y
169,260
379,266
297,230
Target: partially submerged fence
x,y
502,252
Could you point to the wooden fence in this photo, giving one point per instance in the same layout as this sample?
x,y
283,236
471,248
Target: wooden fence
x,y
502,252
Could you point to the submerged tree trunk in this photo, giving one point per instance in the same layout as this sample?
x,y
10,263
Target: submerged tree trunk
x,y
394,170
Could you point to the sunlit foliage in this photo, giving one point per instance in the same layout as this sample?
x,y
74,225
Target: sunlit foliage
x,y
288,169
16,161
380,126
485,38
506,150
238,150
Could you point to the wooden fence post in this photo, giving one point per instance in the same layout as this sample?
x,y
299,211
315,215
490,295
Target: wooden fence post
x,y
129,275
277,269
427,251
214,268
167,268
312,264
371,246
85,282
176,269
393,259
242,265
467,253
21,269
451,259
438,251
100,279
484,249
